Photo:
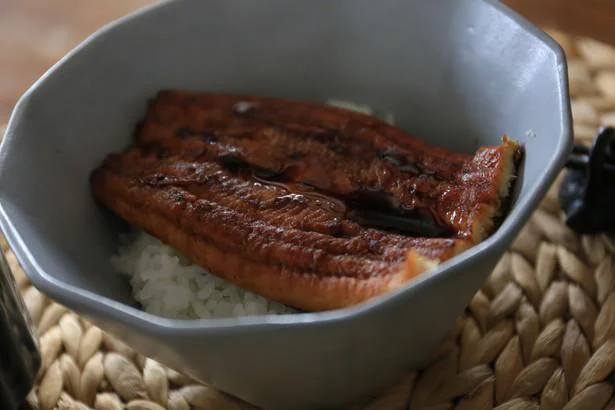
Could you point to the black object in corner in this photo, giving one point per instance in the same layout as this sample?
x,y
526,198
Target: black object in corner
x,y
587,193
19,352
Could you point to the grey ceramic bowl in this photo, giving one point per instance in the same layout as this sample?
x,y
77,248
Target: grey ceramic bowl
x,y
456,73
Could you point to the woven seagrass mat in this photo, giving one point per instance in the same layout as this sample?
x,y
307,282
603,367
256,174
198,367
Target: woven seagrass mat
x,y
539,334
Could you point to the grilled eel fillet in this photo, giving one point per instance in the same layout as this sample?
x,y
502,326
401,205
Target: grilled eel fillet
x,y
313,206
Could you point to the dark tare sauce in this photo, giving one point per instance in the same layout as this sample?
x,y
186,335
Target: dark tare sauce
x,y
372,208
376,209
402,163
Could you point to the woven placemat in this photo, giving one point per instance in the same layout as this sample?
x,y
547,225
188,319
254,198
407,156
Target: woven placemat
x,y
539,334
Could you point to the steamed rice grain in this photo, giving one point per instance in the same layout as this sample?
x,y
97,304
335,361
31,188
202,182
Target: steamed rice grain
x,y
166,284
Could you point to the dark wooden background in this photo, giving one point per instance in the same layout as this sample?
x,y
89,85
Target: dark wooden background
x,y
36,33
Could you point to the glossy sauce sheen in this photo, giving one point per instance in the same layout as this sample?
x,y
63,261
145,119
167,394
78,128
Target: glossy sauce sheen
x,y
394,184
368,207
311,205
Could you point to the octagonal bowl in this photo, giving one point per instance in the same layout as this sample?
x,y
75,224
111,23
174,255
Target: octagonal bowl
x,y
455,73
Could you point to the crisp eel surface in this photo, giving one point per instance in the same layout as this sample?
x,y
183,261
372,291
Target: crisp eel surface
x,y
313,206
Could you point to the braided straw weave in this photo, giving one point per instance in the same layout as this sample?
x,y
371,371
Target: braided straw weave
x,y
539,334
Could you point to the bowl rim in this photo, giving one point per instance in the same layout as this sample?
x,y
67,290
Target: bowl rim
x,y
90,303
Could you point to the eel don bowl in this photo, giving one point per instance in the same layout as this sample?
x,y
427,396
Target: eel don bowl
x,y
456,73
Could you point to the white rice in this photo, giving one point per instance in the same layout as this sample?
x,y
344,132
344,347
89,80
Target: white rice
x,y
166,284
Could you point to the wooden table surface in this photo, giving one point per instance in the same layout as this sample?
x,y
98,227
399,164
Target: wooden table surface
x,y
34,34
